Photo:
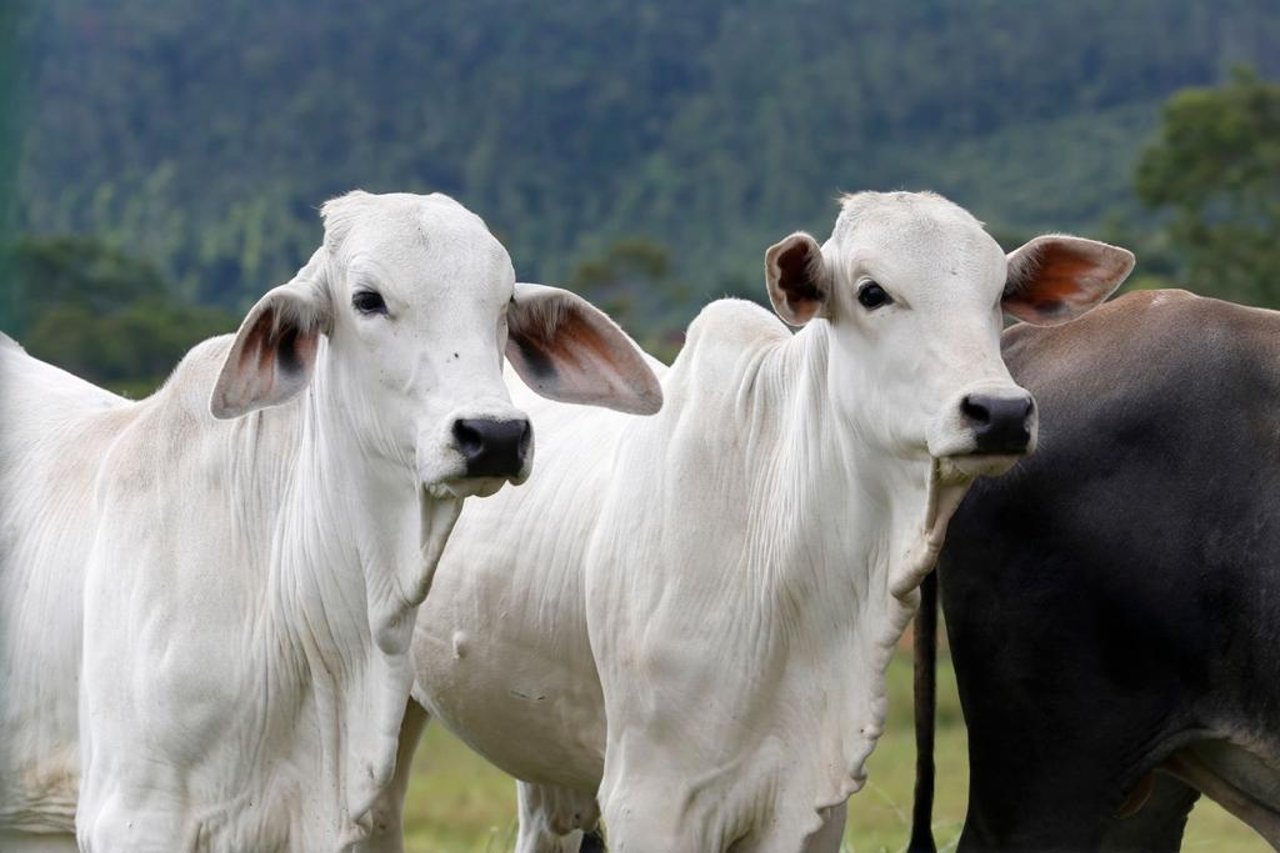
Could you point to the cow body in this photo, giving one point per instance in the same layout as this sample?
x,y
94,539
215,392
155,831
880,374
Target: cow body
x,y
45,533
250,543
1124,621
691,616
746,649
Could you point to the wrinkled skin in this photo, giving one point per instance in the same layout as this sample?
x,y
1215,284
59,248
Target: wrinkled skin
x,y
690,615
250,543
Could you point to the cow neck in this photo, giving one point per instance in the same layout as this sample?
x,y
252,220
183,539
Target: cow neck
x,y
354,547
843,509
849,526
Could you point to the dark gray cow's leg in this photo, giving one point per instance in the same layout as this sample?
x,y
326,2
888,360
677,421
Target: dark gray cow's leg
x,y
1039,778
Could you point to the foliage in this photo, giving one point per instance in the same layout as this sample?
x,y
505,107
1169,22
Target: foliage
x,y
204,135
11,117
1216,166
101,314
632,281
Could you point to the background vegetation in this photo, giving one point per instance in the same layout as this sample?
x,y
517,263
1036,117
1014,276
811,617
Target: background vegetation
x,y
643,151
162,162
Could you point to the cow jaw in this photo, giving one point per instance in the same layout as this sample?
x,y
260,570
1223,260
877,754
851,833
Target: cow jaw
x,y
949,481
961,469
439,514
945,492
477,487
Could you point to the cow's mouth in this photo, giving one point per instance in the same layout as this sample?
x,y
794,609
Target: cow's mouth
x,y
967,466
467,487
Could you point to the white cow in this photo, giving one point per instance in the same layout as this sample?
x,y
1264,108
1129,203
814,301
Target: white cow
x,y
250,543
690,615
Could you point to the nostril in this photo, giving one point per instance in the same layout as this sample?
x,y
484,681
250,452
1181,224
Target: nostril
x,y
470,441
493,448
975,411
999,424
526,435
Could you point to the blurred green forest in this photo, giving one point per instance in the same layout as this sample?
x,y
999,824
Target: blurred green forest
x,y
644,152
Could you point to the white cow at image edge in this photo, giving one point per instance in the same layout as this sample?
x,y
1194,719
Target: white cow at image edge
x,y
691,614
251,542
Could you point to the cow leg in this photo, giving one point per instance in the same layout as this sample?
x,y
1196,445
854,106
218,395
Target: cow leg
x,y
1156,826
148,829
557,820
1025,807
28,842
387,814
1033,786
827,838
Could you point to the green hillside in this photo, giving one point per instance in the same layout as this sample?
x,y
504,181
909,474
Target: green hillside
x,y
203,136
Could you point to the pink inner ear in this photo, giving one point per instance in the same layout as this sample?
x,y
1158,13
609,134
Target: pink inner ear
x,y
796,274
1063,277
271,361
1054,279
566,346
563,352
796,278
257,346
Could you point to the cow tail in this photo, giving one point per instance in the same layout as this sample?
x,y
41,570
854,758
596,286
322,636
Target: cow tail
x,y
926,700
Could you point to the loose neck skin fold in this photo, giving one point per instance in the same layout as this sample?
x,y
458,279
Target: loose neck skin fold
x,y
791,603
352,550
823,487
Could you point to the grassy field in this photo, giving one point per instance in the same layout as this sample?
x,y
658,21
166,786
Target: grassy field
x,y
459,804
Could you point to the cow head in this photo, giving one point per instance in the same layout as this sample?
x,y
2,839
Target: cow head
x,y
410,305
913,289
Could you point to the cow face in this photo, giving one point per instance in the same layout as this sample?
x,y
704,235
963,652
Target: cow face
x,y
913,289
400,322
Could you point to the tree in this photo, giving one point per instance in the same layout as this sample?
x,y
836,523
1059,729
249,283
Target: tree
x,y
1216,165
631,280
101,314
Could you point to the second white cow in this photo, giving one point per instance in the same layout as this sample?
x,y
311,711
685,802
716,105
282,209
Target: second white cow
x,y
689,616
251,542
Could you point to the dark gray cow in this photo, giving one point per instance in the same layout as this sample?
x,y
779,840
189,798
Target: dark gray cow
x,y
1113,603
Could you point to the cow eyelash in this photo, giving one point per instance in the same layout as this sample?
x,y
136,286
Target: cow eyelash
x,y
872,296
369,302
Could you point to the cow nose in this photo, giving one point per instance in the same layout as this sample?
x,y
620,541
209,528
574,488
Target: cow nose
x,y
493,448
1000,425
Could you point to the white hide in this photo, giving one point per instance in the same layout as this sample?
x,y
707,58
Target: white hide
x,y
46,528
691,614
250,543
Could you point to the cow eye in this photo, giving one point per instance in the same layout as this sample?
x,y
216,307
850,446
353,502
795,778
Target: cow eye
x,y
872,296
369,302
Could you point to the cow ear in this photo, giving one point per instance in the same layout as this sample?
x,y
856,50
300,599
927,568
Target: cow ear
x,y
566,349
274,353
1053,279
798,279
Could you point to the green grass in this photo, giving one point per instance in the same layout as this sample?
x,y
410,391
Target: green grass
x,y
459,804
